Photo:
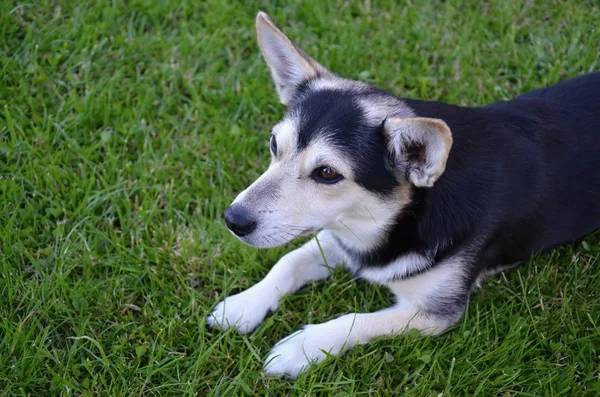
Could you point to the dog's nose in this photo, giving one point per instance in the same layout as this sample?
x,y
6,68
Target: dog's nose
x,y
239,221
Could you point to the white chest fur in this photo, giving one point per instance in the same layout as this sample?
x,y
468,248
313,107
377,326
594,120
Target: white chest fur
x,y
404,266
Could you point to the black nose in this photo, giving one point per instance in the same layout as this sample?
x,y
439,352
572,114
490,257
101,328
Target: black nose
x,y
239,221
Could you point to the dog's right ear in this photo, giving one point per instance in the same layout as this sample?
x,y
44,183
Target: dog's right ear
x,y
419,147
289,64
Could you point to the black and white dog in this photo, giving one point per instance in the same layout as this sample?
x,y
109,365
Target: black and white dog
x,y
422,197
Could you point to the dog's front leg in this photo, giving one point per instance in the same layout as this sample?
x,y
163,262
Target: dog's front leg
x,y
246,310
430,303
312,343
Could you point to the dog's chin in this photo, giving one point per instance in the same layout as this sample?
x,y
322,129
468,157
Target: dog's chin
x,y
272,240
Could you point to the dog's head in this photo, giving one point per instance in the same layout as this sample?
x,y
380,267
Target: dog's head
x,y
345,157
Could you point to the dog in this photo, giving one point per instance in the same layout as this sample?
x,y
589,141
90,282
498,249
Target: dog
x,y
422,197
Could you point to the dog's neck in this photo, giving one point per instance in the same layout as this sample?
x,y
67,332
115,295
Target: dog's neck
x,y
402,232
365,228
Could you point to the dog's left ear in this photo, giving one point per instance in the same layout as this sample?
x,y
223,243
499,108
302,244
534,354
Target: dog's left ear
x,y
419,147
289,64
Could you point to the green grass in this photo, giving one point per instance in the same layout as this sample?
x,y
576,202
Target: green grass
x,y
126,128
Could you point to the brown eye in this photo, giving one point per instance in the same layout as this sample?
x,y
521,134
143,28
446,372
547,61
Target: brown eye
x,y
327,174
273,145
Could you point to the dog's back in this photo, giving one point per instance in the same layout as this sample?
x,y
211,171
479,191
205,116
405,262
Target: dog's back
x,y
526,170
582,92
563,124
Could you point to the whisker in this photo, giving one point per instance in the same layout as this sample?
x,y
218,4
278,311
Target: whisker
x,y
359,239
376,225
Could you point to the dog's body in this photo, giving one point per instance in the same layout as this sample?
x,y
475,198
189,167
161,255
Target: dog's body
x,y
423,197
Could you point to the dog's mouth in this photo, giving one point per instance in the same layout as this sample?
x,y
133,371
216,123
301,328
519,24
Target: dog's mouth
x,y
274,238
307,232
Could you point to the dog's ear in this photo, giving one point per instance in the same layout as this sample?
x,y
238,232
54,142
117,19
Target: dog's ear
x,y
289,64
419,147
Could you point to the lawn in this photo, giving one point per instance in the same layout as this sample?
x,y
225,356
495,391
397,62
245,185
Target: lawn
x,y
127,127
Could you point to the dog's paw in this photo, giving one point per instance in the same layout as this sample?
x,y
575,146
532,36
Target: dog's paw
x,y
244,311
310,345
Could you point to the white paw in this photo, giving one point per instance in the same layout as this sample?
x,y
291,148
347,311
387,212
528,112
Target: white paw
x,y
244,311
300,350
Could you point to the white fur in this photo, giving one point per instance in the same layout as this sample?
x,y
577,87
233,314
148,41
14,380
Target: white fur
x,y
309,346
400,268
380,108
444,279
368,217
246,310
333,82
285,134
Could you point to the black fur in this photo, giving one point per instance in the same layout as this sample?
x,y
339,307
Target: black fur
x,y
337,115
522,176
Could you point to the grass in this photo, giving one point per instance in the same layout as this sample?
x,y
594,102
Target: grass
x,y
126,128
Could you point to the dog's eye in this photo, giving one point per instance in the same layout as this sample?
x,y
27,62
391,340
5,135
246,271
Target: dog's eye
x,y
274,145
327,174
